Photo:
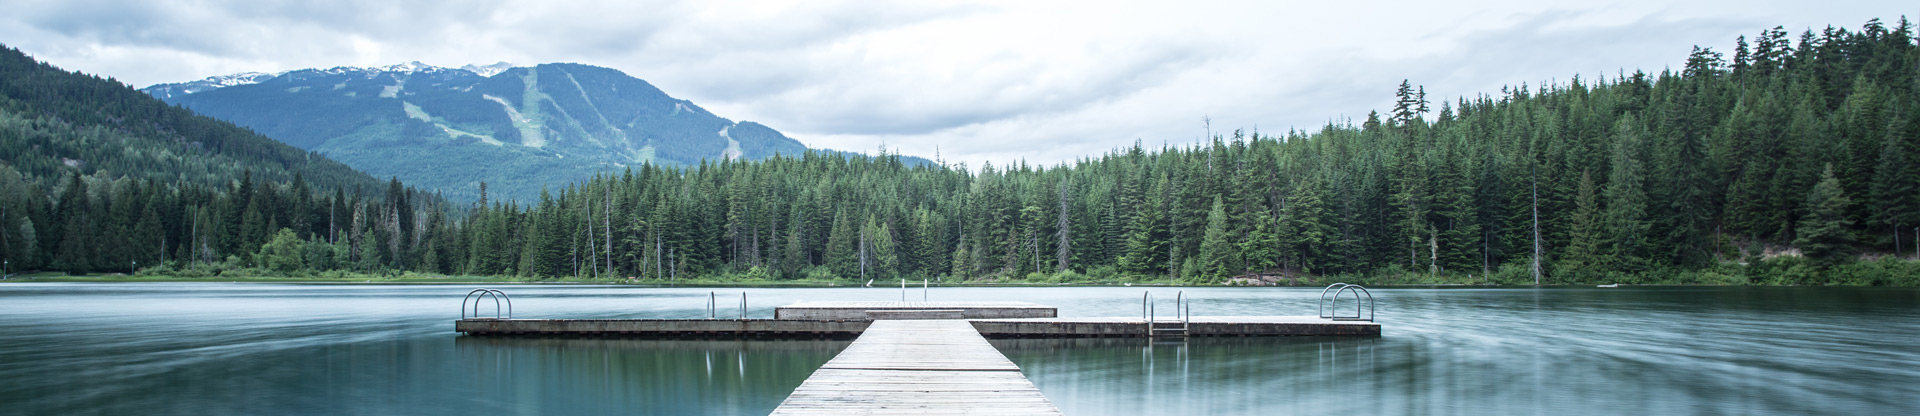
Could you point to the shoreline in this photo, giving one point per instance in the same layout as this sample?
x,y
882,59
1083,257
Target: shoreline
x,y
451,281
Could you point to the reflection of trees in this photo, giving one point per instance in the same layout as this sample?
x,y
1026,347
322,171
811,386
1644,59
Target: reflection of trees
x,y
650,376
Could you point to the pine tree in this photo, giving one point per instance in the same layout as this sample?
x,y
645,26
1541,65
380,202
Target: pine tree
x,y
886,257
148,229
1146,250
1896,186
1218,254
962,262
1824,235
843,246
1304,236
75,255
1625,219
1261,248
1584,246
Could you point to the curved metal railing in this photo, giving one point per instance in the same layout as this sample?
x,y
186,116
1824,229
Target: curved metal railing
x,y
713,305
1329,307
1182,310
482,293
1146,306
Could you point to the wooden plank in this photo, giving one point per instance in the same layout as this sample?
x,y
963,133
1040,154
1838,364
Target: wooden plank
x,y
931,367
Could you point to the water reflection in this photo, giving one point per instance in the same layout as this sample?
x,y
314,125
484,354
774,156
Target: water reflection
x,y
1198,375
603,376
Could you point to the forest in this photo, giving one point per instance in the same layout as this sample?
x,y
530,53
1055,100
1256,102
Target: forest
x,y
1788,162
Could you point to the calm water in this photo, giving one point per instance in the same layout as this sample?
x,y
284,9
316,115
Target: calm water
x,y
304,349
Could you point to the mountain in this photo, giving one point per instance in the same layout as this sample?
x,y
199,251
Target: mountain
x,y
55,122
515,128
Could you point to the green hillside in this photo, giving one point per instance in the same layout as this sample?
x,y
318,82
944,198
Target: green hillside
x,y
55,122
96,176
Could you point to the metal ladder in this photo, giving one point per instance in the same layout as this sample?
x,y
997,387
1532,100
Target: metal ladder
x,y
477,294
713,305
1329,307
1158,329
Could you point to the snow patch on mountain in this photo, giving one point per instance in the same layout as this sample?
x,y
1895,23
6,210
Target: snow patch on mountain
x,y
250,78
529,133
242,78
408,67
488,70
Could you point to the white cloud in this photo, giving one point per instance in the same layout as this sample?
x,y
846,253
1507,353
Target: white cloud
x,y
1045,82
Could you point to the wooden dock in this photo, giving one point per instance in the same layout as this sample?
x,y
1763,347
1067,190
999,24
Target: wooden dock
x,y
1198,326
918,367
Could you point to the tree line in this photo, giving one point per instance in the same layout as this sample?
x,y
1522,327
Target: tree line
x,y
1788,159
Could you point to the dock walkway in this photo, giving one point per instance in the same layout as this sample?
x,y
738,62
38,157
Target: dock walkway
x,y
918,367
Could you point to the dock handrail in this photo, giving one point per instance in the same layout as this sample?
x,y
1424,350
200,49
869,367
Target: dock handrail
x,y
1146,310
1329,308
1323,298
711,304
482,293
743,305
1182,310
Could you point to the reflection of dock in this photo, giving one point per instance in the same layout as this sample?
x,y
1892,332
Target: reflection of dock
x,y
1197,326
918,367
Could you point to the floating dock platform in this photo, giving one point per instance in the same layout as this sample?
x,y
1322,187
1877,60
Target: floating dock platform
x,y
847,320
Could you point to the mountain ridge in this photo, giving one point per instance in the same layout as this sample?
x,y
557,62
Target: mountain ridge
x,y
515,128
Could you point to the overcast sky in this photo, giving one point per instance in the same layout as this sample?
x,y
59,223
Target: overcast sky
x,y
1040,81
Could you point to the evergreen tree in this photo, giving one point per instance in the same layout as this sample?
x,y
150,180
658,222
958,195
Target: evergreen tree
x,y
76,253
886,259
1584,246
1625,219
1261,248
843,246
1146,250
1218,254
1304,237
1896,186
148,238
1824,234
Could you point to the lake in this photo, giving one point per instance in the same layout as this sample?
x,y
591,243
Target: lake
x,y
212,348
